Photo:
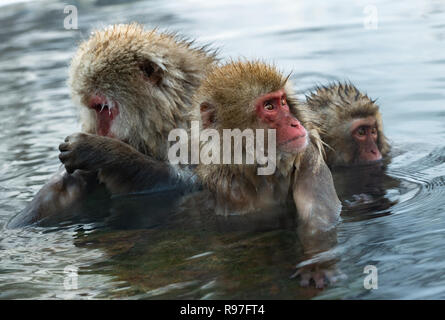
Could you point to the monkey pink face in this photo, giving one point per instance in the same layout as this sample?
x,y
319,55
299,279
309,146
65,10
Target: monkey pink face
x,y
106,111
365,134
273,110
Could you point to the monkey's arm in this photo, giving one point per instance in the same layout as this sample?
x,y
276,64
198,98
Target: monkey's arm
x,y
314,194
318,213
121,168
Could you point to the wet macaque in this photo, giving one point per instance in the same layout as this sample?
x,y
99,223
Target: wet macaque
x,y
252,95
350,124
240,95
133,86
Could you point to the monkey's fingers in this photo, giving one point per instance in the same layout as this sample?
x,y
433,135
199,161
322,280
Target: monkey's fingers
x,y
64,147
319,279
64,157
305,279
306,276
73,136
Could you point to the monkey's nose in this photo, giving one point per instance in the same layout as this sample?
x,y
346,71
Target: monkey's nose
x,y
374,154
294,123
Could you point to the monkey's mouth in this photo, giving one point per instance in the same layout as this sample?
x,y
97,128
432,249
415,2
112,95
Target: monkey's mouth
x,y
295,139
106,111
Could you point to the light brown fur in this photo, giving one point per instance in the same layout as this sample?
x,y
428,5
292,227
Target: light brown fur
x,y
232,89
335,106
300,188
111,63
151,78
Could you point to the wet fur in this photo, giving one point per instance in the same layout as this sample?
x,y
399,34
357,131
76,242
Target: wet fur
x,y
152,76
112,63
232,89
334,107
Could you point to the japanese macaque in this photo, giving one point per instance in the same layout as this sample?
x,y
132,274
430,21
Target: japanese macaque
x,y
253,95
136,85
131,85
240,95
350,124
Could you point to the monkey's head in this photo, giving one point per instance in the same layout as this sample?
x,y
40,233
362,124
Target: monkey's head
x,y
135,85
251,95
350,123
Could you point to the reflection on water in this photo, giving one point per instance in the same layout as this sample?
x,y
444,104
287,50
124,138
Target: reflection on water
x,y
392,219
367,191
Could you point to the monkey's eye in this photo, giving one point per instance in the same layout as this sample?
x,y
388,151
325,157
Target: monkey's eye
x,y
374,130
147,69
361,131
283,101
151,72
269,106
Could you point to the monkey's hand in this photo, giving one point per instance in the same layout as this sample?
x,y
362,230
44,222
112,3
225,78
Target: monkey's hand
x,y
322,274
91,152
120,167
319,257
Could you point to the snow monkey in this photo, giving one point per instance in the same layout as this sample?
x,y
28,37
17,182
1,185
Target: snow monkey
x,y
350,124
132,85
239,95
136,85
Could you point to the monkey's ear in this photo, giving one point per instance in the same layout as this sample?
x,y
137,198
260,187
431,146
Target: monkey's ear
x,y
151,71
207,114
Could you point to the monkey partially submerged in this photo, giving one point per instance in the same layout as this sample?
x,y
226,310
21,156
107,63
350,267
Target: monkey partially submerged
x,y
248,95
252,95
350,124
132,91
132,85
240,95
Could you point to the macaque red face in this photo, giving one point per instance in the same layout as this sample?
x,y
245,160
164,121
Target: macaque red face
x,y
106,111
365,134
273,110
